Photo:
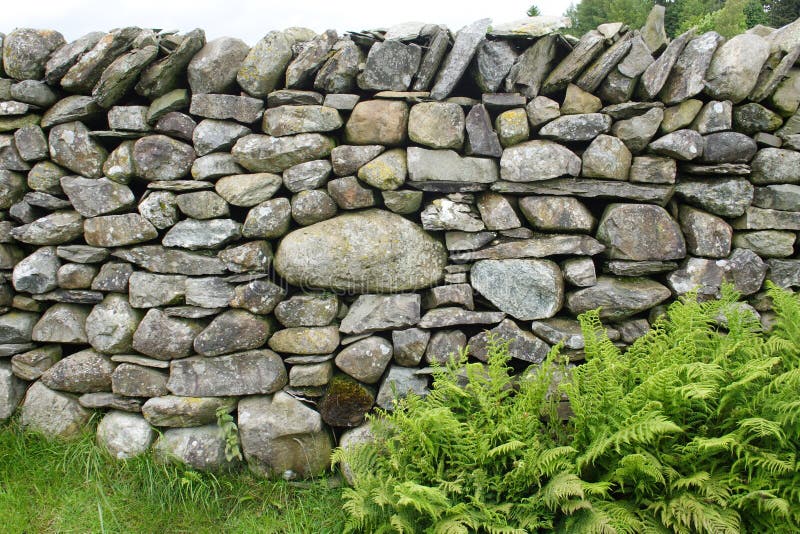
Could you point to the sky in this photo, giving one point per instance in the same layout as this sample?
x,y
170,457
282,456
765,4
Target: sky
x,y
250,20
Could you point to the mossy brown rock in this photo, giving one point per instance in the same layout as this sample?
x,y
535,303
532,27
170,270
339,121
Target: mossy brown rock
x,y
346,402
373,251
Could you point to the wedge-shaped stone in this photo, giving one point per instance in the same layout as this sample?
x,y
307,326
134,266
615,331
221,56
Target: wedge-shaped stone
x,y
618,298
371,313
455,64
232,331
536,247
86,371
726,197
580,127
446,166
93,197
158,259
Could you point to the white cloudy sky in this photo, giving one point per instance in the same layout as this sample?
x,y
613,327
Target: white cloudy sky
x,y
251,19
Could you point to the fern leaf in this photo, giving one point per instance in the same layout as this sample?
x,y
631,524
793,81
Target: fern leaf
x,y
506,448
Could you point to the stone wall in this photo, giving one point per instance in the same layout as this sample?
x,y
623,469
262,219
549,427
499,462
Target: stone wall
x,y
288,232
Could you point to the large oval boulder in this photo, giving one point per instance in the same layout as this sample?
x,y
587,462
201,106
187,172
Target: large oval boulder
x,y
372,251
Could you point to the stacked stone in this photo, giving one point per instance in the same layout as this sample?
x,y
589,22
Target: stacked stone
x,y
295,232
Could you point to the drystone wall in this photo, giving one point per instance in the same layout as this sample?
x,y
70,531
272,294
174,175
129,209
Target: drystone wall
x,y
289,231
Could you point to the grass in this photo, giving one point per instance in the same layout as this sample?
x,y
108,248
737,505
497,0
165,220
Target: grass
x,y
48,486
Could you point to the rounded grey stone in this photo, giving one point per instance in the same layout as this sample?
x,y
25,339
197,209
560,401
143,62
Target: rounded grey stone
x,y
368,251
124,434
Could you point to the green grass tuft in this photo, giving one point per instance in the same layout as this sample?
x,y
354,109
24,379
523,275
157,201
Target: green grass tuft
x,y
48,486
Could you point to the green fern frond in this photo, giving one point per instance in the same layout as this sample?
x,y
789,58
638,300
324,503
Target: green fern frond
x,y
505,448
423,499
758,427
640,429
561,488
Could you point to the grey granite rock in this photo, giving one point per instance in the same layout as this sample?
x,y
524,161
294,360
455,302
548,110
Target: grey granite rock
x,y
640,232
526,289
71,147
53,414
262,153
726,197
372,313
254,372
214,68
538,160
313,54
269,219
37,272
580,127
86,371
585,51
561,214
26,50
263,68
735,67
163,337
687,76
111,324
390,66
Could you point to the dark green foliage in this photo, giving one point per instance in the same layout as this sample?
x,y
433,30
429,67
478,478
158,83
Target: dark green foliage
x,y
694,429
782,12
728,17
533,11
588,14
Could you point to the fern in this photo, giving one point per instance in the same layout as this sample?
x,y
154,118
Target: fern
x,y
694,429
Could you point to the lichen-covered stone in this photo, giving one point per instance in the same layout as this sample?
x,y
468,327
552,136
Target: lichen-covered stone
x,y
255,372
71,147
526,289
640,232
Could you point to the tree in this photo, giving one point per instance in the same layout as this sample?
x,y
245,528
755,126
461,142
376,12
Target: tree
x,y
782,12
588,14
533,11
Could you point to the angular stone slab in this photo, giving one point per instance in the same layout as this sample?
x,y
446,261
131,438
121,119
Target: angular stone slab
x,y
526,289
455,64
255,372
618,298
371,313
640,232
